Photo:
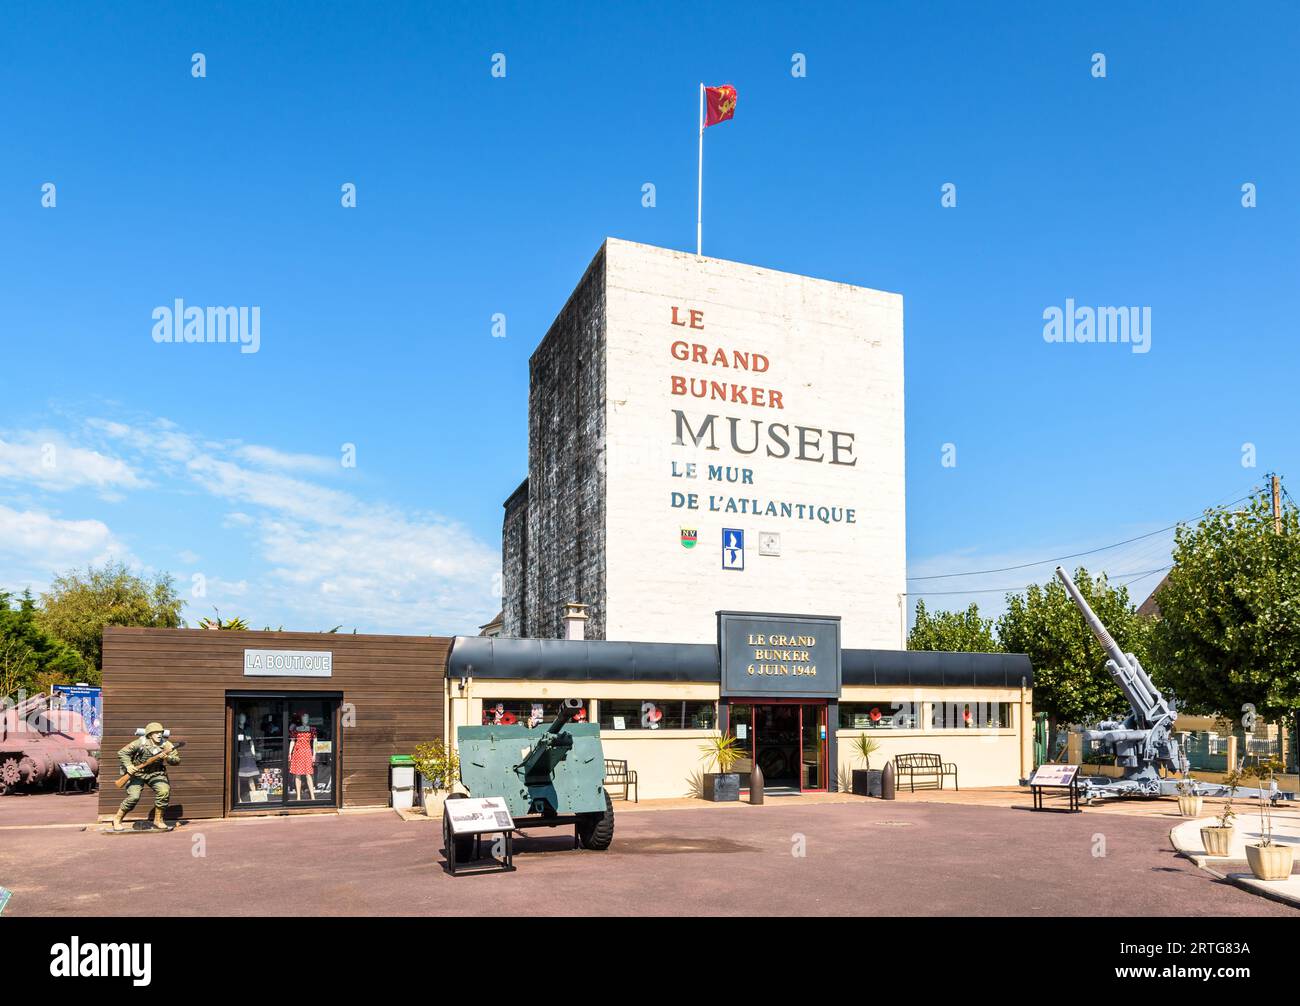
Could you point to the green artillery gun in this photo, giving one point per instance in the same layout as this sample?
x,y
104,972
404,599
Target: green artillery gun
x,y
549,775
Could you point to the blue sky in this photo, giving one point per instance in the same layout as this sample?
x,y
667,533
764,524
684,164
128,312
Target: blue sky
x,y
478,195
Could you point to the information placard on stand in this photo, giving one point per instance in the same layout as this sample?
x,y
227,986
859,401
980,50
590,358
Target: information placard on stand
x,y
1064,777
474,818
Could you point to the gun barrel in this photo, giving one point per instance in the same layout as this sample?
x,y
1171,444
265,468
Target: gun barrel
x,y
568,708
1094,623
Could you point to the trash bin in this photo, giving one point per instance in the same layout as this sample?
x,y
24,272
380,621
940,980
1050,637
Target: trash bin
x,y
401,781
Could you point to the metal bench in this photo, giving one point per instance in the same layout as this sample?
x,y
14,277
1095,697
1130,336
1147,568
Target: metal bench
x,y
618,774
927,766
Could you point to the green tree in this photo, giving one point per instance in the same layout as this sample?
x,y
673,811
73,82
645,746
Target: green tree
x,y
1071,683
956,631
78,605
1228,633
30,658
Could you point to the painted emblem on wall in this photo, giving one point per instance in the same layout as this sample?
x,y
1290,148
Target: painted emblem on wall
x,y
690,536
733,548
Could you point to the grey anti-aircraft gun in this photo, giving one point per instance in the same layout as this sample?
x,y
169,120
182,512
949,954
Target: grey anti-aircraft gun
x,y
1143,743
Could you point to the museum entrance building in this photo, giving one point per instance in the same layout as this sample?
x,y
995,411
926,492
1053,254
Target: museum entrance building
x,y
782,685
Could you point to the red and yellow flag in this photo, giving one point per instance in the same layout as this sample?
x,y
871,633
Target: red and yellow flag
x,y
719,104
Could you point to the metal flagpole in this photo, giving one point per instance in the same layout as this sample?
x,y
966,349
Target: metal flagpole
x,y
699,203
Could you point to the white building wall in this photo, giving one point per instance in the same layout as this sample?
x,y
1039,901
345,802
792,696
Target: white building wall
x,y
835,355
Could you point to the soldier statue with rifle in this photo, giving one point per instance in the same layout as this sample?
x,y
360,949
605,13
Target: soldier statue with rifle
x,y
144,763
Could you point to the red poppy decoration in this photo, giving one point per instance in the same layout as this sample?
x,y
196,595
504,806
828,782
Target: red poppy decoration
x,y
875,715
508,719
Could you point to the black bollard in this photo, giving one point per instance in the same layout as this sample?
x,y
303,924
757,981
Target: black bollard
x,y
887,781
755,784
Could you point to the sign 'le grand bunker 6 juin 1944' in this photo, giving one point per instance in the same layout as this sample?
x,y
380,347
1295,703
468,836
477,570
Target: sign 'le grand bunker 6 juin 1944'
x,y
797,656
730,379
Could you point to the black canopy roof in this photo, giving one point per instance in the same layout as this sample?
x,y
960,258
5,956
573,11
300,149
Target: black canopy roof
x,y
601,660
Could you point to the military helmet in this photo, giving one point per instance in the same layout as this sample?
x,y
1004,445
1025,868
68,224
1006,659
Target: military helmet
x,y
153,728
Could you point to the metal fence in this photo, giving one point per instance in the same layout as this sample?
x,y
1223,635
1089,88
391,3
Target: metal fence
x,y
1206,751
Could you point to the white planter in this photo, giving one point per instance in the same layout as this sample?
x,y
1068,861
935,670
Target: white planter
x,y
1216,840
1189,806
1270,862
433,801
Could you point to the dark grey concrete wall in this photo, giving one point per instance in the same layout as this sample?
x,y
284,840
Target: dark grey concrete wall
x,y
514,561
561,555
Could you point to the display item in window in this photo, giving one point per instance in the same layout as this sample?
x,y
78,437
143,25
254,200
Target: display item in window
x,y
248,770
302,755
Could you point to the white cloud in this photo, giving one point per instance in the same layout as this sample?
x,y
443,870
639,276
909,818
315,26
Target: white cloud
x,y
332,557
48,462
34,544
269,457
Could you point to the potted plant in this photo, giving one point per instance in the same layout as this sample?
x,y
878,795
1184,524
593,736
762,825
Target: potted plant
x,y
1267,859
866,781
723,751
439,766
1216,838
1189,801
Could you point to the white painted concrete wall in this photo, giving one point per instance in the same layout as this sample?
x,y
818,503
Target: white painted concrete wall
x,y
836,356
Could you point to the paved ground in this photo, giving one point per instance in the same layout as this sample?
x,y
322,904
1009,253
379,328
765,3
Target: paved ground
x,y
27,809
862,857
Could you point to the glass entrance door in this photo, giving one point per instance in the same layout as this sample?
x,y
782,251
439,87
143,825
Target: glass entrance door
x,y
787,740
282,752
812,748
776,745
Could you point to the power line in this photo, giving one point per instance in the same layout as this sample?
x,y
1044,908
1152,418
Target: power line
x,y
1138,575
1062,558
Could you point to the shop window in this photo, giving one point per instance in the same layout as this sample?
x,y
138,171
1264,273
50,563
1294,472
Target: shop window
x,y
282,751
657,714
525,712
971,716
879,716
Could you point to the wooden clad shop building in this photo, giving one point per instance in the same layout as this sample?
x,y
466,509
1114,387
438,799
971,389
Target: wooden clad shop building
x,y
274,722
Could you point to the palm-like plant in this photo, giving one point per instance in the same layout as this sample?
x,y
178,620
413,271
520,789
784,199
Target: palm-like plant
x,y
723,750
232,624
865,747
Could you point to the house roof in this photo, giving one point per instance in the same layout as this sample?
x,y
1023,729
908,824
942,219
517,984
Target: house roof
x,y
1150,608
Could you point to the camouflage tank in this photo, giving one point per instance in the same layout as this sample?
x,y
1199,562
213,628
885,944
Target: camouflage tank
x,y
35,737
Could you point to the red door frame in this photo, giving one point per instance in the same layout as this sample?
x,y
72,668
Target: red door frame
x,y
822,715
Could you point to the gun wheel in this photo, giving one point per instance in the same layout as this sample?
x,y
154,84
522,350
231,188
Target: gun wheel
x,y
9,774
596,831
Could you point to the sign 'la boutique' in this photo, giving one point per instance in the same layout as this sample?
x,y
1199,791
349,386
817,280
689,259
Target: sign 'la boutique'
x,y
792,656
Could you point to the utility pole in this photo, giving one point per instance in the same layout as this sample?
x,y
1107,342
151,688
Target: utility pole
x,y
1277,529
1277,504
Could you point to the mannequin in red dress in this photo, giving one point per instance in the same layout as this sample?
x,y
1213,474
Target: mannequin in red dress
x,y
302,756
